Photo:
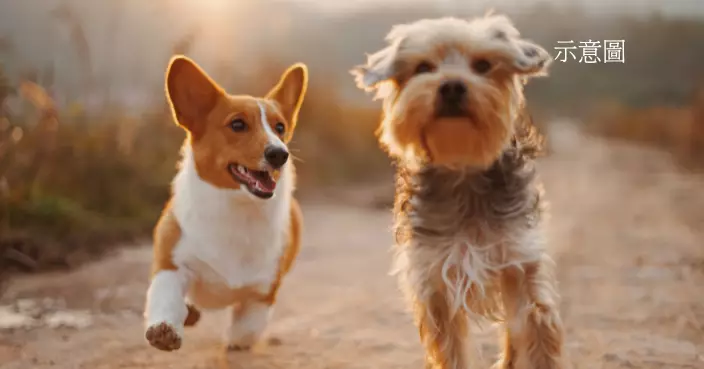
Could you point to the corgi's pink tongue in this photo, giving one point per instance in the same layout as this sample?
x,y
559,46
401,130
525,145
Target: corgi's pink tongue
x,y
263,181
256,180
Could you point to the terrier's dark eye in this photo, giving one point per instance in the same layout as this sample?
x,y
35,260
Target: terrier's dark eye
x,y
238,125
424,67
481,66
280,128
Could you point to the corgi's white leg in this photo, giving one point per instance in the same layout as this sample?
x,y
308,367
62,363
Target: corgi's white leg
x,y
166,309
247,323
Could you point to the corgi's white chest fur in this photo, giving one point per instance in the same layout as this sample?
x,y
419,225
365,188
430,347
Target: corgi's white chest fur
x,y
229,238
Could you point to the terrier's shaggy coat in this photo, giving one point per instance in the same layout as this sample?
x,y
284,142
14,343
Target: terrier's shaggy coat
x,y
469,209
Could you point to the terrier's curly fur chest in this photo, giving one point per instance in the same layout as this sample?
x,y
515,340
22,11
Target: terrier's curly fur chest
x,y
461,228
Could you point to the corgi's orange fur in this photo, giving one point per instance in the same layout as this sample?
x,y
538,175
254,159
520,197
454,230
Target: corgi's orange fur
x,y
232,228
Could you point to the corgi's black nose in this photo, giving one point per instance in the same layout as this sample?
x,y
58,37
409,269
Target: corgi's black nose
x,y
276,156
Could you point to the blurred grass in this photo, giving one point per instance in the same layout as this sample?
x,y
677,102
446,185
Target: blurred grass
x,y
678,129
71,181
75,181
72,184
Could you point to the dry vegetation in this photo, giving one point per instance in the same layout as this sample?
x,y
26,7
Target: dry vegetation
x,y
69,184
73,181
679,130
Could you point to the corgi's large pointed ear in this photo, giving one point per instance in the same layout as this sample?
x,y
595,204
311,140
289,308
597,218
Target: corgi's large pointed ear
x,y
191,93
290,91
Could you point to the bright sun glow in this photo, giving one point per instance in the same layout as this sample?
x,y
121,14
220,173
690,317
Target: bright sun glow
x,y
212,4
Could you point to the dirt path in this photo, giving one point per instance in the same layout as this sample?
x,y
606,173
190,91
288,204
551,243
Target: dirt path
x,y
631,266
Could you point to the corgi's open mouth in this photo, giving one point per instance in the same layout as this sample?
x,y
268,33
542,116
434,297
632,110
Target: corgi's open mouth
x,y
259,182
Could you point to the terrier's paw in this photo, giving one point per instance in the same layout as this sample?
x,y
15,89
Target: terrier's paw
x,y
163,336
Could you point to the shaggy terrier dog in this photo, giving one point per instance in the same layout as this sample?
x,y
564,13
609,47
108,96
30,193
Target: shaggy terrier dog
x,y
469,210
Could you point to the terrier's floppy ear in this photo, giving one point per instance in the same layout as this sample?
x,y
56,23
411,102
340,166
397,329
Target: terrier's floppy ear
x,y
290,91
381,65
191,93
523,56
530,59
379,68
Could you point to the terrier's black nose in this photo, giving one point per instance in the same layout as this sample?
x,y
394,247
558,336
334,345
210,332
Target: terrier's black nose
x,y
276,156
453,91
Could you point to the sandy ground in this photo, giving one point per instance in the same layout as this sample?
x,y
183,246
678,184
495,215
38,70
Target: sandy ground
x,y
626,232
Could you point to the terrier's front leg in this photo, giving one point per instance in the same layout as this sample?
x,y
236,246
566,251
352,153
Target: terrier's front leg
x,y
166,309
534,333
444,331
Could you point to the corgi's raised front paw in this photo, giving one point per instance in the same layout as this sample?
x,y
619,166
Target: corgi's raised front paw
x,y
163,336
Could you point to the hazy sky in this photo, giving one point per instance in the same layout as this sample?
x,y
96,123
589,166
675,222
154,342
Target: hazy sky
x,y
673,7
147,30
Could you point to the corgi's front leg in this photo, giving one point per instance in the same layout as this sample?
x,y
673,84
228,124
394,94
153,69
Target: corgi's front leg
x,y
166,310
248,321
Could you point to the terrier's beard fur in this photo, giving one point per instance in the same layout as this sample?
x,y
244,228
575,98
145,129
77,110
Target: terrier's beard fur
x,y
412,130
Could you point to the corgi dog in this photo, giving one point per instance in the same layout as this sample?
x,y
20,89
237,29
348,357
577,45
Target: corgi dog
x,y
231,230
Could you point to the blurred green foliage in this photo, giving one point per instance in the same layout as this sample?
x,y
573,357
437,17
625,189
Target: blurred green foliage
x,y
73,181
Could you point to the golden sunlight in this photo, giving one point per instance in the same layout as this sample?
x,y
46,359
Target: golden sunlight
x,y
200,8
214,5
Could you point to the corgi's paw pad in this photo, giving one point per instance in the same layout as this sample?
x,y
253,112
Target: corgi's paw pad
x,y
163,336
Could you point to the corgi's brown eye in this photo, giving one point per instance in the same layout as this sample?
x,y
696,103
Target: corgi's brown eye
x,y
423,67
280,128
238,125
481,66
